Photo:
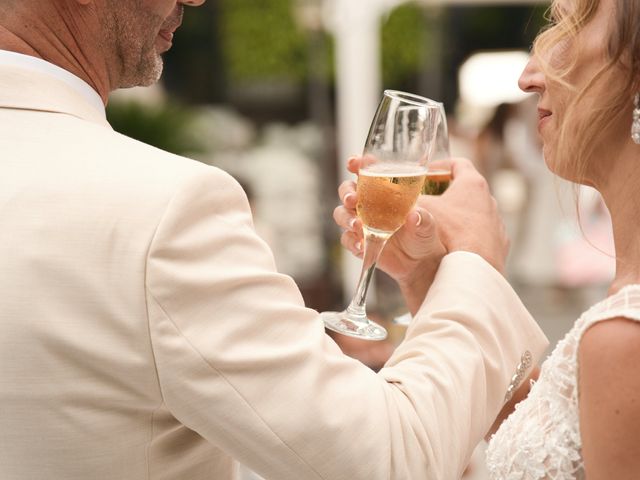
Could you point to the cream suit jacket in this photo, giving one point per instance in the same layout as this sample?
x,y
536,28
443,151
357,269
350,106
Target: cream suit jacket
x,y
146,334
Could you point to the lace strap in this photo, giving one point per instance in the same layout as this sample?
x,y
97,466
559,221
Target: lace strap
x,y
625,303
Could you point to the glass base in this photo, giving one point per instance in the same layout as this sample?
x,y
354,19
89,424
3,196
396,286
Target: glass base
x,y
404,319
341,323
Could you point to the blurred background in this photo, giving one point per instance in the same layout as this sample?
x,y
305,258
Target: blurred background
x,y
280,92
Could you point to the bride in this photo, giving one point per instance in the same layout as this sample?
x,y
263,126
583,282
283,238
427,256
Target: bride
x,y
581,419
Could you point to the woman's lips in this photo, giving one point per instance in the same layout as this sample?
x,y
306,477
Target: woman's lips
x,y
543,117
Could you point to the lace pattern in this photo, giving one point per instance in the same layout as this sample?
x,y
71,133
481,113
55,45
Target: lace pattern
x,y
541,439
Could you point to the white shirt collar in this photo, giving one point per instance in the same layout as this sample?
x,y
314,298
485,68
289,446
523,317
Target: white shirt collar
x,y
37,64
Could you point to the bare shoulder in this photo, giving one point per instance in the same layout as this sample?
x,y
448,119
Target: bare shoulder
x,y
609,354
611,340
609,398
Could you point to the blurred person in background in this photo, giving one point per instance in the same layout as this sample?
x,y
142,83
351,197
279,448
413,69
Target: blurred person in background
x,y
582,416
144,330
490,145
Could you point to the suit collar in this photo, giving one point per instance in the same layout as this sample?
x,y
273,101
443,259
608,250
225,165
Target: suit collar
x,y
27,86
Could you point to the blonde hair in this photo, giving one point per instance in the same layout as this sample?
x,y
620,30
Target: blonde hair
x,y
579,134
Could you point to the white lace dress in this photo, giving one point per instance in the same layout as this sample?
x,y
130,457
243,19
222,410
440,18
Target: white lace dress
x,y
541,438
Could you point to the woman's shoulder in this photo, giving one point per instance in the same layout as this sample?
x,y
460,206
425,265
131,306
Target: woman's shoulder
x,y
624,303
615,337
621,306
609,386
611,328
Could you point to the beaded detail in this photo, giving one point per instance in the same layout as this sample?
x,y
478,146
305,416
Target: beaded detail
x,y
541,439
521,370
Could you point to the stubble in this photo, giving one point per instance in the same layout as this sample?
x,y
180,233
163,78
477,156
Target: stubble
x,y
130,32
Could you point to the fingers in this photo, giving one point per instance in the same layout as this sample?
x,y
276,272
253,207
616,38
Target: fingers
x,y
347,194
461,166
466,180
352,242
355,163
441,164
346,219
431,205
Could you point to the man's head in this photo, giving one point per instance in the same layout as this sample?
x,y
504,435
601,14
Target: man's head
x,y
109,43
136,33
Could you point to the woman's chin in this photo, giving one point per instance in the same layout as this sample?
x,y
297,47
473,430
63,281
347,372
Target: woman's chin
x,y
561,169
550,162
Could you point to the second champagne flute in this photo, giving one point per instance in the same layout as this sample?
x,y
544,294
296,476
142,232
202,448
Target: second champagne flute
x,y
392,175
438,178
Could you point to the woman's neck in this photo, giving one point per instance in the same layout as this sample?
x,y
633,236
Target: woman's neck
x,y
622,197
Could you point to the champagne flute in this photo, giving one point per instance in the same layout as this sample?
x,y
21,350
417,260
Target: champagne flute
x,y
396,153
438,178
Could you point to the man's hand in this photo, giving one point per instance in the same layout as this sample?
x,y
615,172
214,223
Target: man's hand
x,y
467,216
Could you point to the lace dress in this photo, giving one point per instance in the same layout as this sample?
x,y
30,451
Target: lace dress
x,y
541,438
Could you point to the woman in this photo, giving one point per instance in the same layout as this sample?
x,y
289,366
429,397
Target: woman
x,y
582,417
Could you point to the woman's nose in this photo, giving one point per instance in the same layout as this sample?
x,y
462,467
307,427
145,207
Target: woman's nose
x,y
532,79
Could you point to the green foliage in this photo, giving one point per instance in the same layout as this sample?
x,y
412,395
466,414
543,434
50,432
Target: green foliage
x,y
261,41
166,126
500,27
404,39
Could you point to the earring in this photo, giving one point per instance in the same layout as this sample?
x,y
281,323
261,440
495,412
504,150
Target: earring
x,y
635,126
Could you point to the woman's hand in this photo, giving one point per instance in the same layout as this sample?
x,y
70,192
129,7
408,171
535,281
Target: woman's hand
x,y
464,218
411,256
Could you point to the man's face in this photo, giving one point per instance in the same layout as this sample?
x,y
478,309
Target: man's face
x,y
137,32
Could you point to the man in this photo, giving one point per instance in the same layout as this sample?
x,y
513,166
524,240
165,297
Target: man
x,y
144,331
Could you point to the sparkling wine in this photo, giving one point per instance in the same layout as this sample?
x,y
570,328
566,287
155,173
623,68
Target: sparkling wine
x,y
437,182
386,194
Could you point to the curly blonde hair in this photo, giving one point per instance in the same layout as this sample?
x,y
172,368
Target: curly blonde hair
x,y
608,105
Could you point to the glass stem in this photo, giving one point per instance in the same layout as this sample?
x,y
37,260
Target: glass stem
x,y
373,245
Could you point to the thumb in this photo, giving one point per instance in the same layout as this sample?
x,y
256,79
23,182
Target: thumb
x,y
421,223
418,238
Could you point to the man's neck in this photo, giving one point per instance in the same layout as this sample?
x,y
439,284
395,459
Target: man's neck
x,y
13,43
58,46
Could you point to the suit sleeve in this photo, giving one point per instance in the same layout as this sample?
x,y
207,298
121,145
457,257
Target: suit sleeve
x,y
241,360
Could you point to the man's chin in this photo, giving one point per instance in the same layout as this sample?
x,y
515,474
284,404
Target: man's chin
x,y
146,75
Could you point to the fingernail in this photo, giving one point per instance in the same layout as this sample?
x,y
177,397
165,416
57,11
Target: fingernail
x,y
358,246
417,221
351,159
352,223
347,197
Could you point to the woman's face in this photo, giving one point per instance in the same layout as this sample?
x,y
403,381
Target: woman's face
x,y
588,52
